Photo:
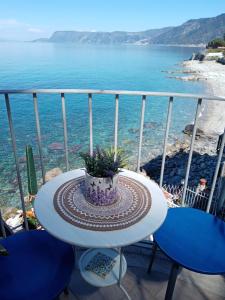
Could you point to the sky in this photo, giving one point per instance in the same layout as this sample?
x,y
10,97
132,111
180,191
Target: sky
x,y
31,19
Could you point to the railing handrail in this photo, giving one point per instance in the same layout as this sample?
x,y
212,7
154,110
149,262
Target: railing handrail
x,y
112,92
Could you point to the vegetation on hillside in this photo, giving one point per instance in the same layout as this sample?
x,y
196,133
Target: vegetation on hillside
x,y
216,43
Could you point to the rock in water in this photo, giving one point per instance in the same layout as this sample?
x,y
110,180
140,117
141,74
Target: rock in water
x,y
133,130
189,129
151,125
75,148
56,147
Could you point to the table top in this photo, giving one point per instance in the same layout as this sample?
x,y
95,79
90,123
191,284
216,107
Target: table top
x,y
60,228
194,239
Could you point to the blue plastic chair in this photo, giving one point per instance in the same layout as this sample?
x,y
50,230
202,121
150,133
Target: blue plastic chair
x,y
192,239
38,266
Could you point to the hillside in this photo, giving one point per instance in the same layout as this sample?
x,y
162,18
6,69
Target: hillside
x,y
198,31
194,32
115,37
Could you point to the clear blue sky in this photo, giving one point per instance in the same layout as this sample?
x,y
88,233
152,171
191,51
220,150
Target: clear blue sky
x,y
28,19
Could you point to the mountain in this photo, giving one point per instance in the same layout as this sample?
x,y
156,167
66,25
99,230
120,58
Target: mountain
x,y
198,31
115,37
42,40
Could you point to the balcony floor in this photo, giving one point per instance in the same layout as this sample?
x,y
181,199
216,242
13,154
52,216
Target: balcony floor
x,y
141,286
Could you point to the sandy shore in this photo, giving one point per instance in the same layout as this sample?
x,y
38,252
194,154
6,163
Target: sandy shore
x,y
212,118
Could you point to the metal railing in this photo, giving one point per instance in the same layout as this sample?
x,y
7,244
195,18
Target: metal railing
x,y
192,199
144,95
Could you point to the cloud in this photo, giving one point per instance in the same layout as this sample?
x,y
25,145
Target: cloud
x,y
9,23
15,29
35,30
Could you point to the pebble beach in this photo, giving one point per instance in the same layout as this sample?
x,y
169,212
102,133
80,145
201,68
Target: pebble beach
x,y
212,119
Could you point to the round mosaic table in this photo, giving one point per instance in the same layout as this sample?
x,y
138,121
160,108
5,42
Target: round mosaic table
x,y
63,211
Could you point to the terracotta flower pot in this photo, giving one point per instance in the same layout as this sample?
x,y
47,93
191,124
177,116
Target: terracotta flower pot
x,y
101,191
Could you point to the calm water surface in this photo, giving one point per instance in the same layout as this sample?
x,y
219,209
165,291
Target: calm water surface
x,y
37,65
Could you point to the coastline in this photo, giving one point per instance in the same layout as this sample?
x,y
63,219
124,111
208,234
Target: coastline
x,y
212,118
211,123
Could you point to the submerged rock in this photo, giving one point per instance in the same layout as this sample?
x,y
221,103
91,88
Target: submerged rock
x,y
23,159
128,142
133,130
56,147
151,125
75,148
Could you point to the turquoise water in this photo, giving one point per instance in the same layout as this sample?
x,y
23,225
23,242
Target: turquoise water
x,y
33,65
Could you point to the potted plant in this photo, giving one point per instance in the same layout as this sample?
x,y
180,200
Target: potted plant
x,y
102,170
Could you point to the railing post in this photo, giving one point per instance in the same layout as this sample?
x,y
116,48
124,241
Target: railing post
x,y
38,128
216,173
141,132
165,139
191,149
90,122
16,159
116,125
65,131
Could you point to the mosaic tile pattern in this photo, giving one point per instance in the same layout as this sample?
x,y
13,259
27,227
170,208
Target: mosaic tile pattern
x,y
133,203
100,264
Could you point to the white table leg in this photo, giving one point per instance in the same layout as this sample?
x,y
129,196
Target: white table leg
x,y
120,269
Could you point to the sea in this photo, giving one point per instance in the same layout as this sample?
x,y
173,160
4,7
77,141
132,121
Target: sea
x,y
26,65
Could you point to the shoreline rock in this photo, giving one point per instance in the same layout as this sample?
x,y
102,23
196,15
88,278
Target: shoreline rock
x,y
189,129
188,78
202,166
